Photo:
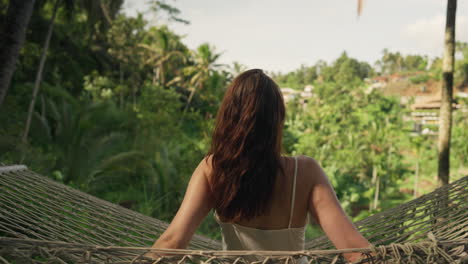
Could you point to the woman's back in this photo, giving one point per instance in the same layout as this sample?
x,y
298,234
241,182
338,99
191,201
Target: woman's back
x,y
275,229
278,214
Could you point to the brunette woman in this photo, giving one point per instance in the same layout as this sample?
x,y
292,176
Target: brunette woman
x,y
260,198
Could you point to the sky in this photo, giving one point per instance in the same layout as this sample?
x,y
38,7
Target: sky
x,y
279,35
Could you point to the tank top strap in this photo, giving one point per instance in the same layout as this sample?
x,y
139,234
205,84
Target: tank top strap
x,y
293,195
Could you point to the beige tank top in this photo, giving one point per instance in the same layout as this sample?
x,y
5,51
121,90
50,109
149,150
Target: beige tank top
x,y
238,237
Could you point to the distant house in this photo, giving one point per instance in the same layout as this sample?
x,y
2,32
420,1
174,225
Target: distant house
x,y
385,79
376,85
425,118
380,79
429,103
398,77
308,89
404,100
426,110
289,93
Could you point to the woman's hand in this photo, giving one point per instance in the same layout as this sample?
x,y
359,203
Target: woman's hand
x,y
352,257
152,255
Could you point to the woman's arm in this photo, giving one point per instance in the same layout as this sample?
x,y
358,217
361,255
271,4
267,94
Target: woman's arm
x,y
196,205
326,209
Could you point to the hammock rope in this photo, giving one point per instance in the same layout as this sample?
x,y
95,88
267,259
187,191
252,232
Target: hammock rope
x,y
43,221
32,206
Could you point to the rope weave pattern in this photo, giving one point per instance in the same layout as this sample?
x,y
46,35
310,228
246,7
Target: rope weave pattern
x,y
36,251
32,206
437,212
36,213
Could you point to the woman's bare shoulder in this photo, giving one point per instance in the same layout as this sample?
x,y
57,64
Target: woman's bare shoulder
x,y
309,162
311,169
206,165
208,159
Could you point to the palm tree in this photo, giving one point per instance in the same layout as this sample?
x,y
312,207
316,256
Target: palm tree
x,y
101,12
378,150
86,153
11,41
69,4
40,69
205,59
417,144
238,68
161,52
445,116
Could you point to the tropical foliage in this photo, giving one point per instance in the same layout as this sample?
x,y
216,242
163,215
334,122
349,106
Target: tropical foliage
x,y
125,112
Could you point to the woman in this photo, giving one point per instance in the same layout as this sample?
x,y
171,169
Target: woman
x,y
261,199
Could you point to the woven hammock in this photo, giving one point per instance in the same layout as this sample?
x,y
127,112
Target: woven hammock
x,y
42,221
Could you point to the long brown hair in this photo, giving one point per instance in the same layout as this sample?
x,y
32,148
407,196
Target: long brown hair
x,y
246,146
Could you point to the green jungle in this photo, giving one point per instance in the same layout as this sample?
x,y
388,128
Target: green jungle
x,y
124,111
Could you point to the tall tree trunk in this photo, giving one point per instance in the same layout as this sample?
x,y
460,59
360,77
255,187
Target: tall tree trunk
x,y
38,80
445,119
156,75
416,179
11,40
162,75
189,100
376,180
121,86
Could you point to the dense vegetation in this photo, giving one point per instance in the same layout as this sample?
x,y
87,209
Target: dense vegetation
x,y
125,112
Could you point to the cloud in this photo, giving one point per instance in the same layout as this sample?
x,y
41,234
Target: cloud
x,y
428,34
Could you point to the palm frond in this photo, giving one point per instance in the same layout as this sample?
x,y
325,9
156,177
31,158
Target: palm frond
x,y
120,159
44,125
